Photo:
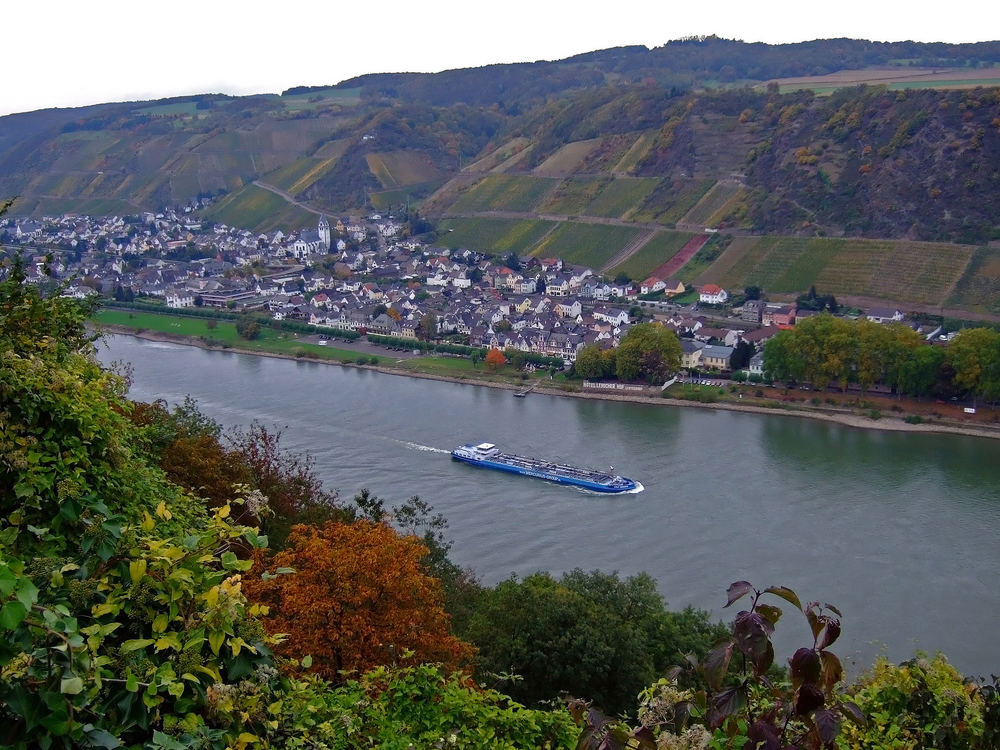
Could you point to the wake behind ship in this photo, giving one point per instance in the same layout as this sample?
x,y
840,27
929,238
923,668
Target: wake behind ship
x,y
489,456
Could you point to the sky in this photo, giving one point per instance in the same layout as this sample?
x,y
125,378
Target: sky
x,y
64,53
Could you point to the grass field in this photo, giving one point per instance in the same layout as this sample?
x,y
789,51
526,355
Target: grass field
x,y
505,193
498,156
713,206
321,98
979,287
398,168
495,236
333,149
224,334
410,194
585,244
299,175
260,210
59,206
895,78
621,197
174,108
572,196
290,344
668,203
567,159
653,254
635,153
920,272
514,161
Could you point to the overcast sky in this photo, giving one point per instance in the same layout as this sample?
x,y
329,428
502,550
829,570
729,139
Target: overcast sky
x,y
60,53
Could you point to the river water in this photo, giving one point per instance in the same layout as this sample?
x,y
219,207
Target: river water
x,y
898,530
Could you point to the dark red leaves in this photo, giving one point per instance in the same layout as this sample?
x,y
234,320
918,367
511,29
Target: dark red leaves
x,y
737,591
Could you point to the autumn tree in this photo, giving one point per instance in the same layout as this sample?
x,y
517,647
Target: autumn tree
x,y
649,352
495,359
416,517
288,481
195,454
357,599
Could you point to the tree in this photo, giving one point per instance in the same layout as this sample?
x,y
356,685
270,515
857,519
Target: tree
x,y
516,358
415,517
923,702
919,372
975,355
586,634
427,328
293,492
590,362
752,292
247,327
742,353
194,453
649,351
745,705
495,359
781,360
357,598
125,607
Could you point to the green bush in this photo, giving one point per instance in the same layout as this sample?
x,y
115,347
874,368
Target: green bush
x,y
923,702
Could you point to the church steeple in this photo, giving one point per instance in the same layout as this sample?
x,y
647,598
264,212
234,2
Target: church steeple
x,y
323,229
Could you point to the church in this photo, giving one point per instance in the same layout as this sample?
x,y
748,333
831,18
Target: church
x,y
312,241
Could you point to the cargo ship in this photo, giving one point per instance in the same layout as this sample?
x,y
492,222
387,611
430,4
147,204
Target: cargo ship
x,y
489,456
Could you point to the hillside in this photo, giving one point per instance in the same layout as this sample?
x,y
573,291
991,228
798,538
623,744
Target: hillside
x,y
699,133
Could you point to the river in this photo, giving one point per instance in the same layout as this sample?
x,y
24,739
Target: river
x,y
897,530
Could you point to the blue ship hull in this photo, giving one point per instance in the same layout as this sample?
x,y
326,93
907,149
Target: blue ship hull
x,y
558,473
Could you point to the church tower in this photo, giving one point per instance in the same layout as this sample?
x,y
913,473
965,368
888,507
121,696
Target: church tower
x,y
323,229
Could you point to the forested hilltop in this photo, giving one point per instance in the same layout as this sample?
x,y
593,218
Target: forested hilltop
x,y
698,132
165,585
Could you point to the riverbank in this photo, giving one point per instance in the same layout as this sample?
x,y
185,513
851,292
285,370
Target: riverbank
x,y
890,411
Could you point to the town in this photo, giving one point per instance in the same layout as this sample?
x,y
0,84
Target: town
x,y
368,276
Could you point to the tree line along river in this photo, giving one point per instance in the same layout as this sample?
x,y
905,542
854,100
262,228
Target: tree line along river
x,y
897,530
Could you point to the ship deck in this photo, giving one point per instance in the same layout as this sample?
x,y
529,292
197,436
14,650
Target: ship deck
x,y
535,464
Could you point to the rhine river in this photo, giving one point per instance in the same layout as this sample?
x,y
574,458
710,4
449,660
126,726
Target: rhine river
x,y
899,531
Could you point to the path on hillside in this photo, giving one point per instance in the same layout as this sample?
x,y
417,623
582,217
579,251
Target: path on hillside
x,y
532,216
289,197
629,250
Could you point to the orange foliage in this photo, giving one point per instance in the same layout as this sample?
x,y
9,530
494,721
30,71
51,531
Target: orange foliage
x,y
495,359
203,467
358,599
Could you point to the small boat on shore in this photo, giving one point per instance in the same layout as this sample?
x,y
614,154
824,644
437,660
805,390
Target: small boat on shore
x,y
488,456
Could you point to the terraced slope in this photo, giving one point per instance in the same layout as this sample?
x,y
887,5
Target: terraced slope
x,y
918,272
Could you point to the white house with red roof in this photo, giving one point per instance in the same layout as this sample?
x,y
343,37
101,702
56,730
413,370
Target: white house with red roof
x,y
651,285
711,294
